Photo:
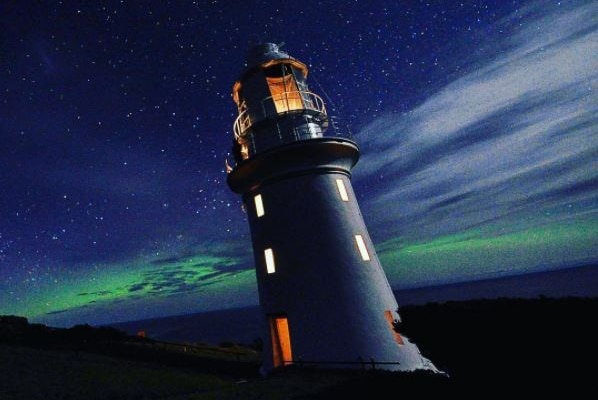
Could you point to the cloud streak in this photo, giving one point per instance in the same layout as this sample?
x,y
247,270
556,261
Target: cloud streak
x,y
517,135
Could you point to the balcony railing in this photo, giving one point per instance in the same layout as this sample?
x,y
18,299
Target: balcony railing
x,y
283,103
242,123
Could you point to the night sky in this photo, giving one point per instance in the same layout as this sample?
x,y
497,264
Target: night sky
x,y
476,120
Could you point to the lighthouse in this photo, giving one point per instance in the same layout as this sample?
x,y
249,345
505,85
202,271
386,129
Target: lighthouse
x,y
325,299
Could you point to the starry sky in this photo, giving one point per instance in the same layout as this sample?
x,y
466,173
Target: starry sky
x,y
476,120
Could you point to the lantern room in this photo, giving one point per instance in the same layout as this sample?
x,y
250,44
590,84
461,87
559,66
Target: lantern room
x,y
275,104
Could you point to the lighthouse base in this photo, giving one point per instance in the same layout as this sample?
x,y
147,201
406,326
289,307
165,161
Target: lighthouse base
x,y
416,363
282,350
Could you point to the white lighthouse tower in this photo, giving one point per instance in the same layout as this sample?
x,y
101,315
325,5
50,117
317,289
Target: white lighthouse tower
x,y
324,295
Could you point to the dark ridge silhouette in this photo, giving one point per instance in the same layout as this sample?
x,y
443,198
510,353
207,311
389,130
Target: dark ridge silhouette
x,y
504,345
18,330
110,341
579,280
541,341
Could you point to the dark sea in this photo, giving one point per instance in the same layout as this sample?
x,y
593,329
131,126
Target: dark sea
x,y
243,325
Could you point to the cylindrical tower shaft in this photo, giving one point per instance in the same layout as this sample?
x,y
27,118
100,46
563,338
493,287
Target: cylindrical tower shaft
x,y
324,295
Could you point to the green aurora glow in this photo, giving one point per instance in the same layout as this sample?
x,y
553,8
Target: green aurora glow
x,y
143,289
179,286
474,255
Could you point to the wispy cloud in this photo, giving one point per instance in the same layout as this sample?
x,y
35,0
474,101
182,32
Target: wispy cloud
x,y
97,293
473,254
181,278
517,135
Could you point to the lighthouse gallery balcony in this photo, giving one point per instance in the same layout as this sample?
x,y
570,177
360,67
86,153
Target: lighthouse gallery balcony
x,y
296,115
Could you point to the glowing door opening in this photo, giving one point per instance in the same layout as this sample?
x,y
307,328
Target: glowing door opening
x,y
281,341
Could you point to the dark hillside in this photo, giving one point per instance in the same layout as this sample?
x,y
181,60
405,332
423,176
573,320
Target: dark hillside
x,y
510,346
508,340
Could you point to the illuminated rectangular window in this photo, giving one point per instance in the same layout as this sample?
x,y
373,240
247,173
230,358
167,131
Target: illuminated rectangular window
x,y
281,341
259,205
269,255
362,249
342,190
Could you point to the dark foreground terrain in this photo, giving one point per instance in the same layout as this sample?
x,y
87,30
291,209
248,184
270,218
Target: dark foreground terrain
x,y
504,346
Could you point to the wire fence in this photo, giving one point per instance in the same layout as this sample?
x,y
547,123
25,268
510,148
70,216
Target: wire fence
x,y
370,364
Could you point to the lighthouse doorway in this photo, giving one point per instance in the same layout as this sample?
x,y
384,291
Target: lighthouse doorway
x,y
281,340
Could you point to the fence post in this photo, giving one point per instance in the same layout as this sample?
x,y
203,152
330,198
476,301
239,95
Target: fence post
x,y
373,363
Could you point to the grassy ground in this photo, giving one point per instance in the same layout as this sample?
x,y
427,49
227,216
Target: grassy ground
x,y
503,346
49,374
232,352
36,374
32,374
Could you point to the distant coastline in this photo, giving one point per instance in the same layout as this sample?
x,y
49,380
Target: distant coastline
x,y
579,281
243,325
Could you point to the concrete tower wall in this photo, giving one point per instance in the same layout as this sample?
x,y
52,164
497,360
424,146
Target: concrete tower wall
x,y
334,300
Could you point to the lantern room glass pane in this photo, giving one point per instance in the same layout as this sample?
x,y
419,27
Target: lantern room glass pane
x,y
285,95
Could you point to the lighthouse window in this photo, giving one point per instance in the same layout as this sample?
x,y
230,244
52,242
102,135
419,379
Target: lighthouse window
x,y
342,190
362,249
259,205
269,256
281,340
